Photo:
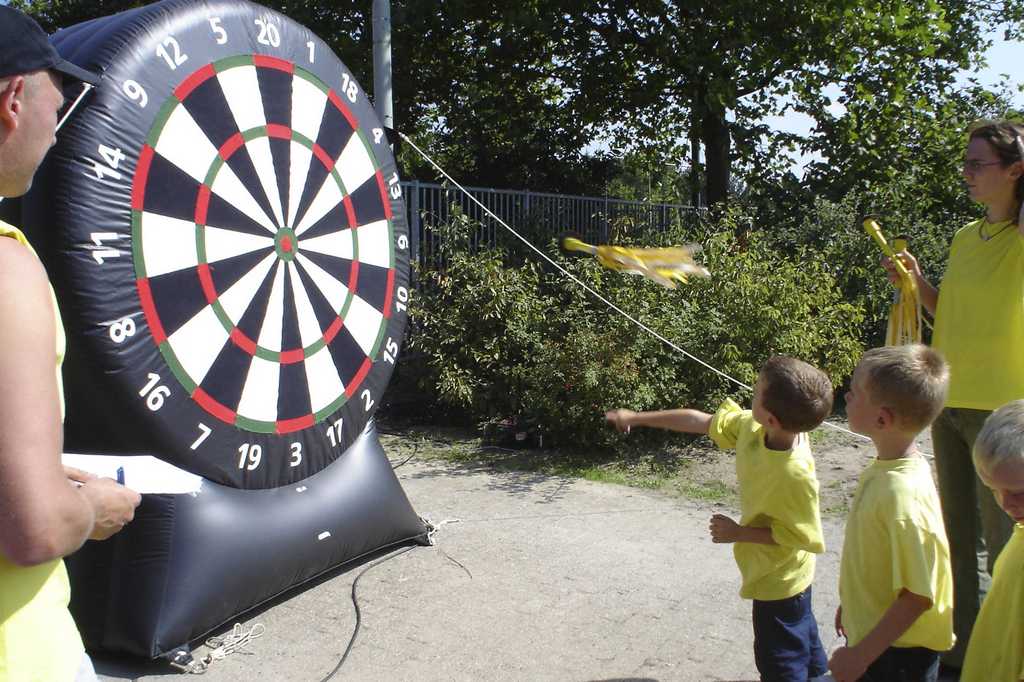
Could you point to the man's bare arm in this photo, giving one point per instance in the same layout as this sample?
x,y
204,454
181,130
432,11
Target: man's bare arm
x,y
42,515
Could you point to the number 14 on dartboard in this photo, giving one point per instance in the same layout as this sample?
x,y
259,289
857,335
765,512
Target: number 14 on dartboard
x,y
247,220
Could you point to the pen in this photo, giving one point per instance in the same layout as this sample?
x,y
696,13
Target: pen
x,y
120,475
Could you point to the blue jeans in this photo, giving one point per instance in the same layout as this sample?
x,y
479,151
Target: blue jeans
x,y
915,664
786,643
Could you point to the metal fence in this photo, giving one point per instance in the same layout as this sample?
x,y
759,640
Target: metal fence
x,y
538,216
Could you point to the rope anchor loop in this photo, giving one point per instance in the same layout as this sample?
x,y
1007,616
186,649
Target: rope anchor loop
x,y
220,648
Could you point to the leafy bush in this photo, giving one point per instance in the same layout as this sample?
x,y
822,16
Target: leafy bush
x,y
521,342
476,324
831,232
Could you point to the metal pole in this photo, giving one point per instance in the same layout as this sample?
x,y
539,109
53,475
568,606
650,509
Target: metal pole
x,y
382,103
415,221
694,168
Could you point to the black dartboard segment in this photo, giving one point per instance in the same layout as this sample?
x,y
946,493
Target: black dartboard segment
x,y
237,254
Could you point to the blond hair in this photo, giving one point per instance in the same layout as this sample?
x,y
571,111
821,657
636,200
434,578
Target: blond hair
x,y
909,380
799,395
1001,438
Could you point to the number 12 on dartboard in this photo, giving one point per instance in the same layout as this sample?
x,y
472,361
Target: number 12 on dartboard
x,y
265,243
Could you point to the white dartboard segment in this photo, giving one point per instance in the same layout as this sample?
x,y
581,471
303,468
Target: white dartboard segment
x,y
270,334
332,289
165,244
259,152
338,244
260,272
221,243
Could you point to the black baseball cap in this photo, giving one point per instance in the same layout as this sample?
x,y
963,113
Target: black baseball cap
x,y
25,48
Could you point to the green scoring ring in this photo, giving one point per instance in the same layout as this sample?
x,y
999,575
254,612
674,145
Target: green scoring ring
x,y
222,315
165,347
286,244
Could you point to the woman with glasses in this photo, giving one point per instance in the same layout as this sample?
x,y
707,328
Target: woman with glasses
x,y
979,327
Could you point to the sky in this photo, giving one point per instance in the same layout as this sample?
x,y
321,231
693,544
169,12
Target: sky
x,y
1003,57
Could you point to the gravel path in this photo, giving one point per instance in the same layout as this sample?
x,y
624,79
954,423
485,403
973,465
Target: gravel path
x,y
532,577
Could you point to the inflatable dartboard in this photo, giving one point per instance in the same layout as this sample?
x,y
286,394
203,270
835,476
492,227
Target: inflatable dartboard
x,y
226,231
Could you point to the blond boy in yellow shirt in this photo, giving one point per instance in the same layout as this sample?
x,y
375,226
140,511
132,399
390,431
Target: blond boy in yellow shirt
x,y
996,650
895,581
779,531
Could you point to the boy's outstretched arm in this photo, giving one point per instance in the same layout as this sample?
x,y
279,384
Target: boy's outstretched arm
x,y
849,663
684,420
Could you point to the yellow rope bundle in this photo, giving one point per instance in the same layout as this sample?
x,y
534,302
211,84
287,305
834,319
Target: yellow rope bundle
x,y
666,266
905,313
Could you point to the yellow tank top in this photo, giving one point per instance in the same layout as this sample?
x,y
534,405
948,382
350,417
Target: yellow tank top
x,y
38,638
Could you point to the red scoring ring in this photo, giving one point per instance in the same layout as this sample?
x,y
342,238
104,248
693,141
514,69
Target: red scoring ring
x,y
232,145
202,201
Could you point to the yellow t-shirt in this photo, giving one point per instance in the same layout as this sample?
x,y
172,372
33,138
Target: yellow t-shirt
x,y
979,319
778,490
896,540
38,638
996,650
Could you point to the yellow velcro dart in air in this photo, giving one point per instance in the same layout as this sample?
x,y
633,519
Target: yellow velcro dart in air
x,y
905,313
666,266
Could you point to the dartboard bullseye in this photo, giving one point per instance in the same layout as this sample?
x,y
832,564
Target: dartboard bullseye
x,y
289,273
241,261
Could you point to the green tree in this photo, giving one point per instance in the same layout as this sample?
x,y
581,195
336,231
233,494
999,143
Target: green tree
x,y
478,83
712,71
513,94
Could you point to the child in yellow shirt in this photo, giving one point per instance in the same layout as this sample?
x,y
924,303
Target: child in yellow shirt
x,y
779,530
895,581
996,650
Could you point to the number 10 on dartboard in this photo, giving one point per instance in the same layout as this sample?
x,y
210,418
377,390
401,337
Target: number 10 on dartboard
x,y
248,224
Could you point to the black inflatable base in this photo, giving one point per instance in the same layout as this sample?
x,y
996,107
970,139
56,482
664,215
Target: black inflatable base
x,y
190,563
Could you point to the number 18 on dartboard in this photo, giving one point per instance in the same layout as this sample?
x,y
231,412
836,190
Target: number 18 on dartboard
x,y
238,249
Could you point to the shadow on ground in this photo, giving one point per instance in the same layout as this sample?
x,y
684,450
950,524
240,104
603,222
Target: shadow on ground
x,y
512,482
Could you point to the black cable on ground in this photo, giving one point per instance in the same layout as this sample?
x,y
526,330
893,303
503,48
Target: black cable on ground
x,y
355,603
406,460
416,449
455,561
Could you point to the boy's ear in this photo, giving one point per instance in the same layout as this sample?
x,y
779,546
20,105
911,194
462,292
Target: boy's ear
x,y
772,422
885,419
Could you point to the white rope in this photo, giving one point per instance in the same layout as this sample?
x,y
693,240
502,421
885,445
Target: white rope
x,y
845,430
433,528
590,290
571,276
86,87
220,648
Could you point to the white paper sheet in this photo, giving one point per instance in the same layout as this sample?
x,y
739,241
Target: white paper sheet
x,y
142,473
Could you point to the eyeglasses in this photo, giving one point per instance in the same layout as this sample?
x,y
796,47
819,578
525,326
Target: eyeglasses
x,y
973,165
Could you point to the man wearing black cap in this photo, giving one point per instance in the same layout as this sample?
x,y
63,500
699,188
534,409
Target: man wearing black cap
x,y
46,510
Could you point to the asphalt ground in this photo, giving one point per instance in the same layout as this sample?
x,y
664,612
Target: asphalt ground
x,y
532,577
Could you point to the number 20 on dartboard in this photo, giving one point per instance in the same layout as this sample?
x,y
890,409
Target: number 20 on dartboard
x,y
258,178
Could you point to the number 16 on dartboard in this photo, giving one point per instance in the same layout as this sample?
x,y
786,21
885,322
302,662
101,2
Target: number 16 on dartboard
x,y
250,278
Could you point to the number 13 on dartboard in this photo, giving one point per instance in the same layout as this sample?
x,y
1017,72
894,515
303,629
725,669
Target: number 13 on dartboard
x,y
254,248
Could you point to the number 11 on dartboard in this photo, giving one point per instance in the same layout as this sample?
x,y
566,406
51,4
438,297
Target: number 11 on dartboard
x,y
248,221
